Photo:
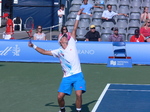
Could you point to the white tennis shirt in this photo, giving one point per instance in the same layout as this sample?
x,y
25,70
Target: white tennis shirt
x,y
69,58
108,14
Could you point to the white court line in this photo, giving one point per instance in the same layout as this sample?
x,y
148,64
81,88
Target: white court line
x,y
100,98
128,90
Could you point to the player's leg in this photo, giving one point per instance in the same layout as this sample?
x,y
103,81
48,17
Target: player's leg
x,y
64,89
78,100
61,101
80,88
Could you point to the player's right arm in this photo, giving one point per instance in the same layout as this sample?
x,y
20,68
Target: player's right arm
x,y
40,50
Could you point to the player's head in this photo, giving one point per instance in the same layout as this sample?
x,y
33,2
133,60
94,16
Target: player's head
x,y
63,40
6,15
64,29
85,1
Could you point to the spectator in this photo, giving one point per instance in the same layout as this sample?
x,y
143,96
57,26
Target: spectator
x,y
39,35
145,30
61,13
9,27
92,35
64,30
109,14
87,7
137,37
145,15
115,37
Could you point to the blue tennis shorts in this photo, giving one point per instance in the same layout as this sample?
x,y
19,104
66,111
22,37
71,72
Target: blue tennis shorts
x,y
75,81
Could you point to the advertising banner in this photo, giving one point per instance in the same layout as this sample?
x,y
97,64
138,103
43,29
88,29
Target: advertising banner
x,y
89,52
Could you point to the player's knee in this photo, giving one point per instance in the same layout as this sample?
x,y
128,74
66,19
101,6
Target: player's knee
x,y
79,94
60,96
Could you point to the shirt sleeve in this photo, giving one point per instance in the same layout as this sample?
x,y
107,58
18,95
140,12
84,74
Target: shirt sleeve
x,y
110,38
98,35
55,52
58,12
34,35
131,39
114,13
81,6
103,14
43,34
121,38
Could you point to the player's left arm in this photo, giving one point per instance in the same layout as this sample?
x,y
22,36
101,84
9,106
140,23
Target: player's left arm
x,y
73,34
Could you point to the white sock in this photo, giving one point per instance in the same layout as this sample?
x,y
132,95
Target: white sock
x,y
62,107
78,109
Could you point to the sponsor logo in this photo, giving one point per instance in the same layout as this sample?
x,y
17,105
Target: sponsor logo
x,y
90,52
113,62
15,50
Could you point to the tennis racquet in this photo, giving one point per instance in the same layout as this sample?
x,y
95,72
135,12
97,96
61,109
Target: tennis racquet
x,y
29,26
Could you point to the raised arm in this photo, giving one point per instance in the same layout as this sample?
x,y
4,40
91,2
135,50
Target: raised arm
x,y
40,50
73,34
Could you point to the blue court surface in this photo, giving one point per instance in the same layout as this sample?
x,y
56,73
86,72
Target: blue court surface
x,y
124,98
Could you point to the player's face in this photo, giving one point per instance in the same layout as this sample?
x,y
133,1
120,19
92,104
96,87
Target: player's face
x,y
63,41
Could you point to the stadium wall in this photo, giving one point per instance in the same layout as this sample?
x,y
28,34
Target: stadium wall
x,y
44,12
89,52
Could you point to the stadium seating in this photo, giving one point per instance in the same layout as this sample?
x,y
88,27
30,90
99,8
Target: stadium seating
x,y
126,25
81,34
105,33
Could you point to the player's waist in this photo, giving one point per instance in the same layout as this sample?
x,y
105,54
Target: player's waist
x,y
72,74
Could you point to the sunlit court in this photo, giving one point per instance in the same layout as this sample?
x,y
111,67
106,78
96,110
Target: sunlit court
x,y
74,55
32,87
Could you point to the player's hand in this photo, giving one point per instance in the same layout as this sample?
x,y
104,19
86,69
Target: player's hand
x,y
30,44
80,11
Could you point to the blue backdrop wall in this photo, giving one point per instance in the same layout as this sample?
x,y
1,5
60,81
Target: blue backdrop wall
x,y
44,12
89,52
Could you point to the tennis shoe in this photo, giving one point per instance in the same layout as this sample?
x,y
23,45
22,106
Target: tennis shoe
x,y
62,110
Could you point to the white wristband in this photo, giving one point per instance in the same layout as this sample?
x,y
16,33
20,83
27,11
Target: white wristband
x,y
78,17
34,46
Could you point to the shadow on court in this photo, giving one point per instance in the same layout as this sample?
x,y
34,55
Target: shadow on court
x,y
1,65
72,107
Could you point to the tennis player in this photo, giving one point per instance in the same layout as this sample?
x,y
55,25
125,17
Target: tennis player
x,y
73,77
